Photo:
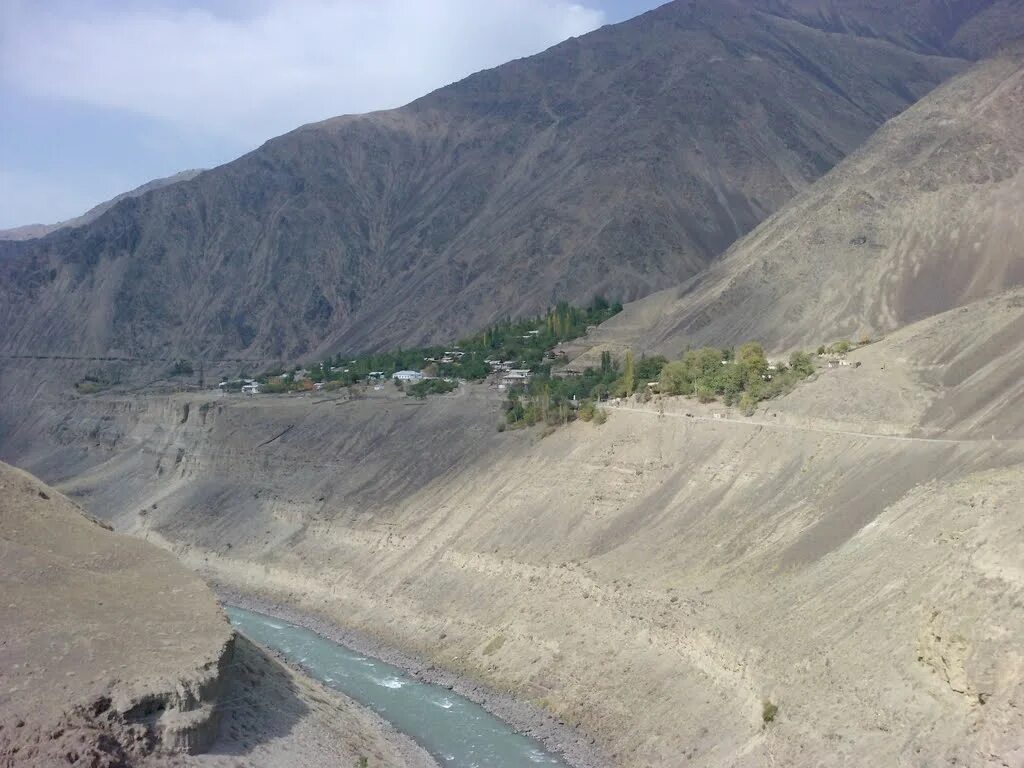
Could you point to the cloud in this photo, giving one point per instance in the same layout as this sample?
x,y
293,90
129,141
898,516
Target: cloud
x,y
248,71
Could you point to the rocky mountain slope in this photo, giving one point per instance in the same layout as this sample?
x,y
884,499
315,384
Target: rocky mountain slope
x,y
114,655
850,554
32,231
925,217
619,162
111,651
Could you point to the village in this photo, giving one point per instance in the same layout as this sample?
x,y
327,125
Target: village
x,y
502,375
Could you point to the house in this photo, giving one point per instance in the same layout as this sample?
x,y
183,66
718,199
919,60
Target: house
x,y
318,386
412,376
251,388
375,375
517,376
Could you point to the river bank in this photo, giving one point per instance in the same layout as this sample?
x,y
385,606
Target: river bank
x,y
274,716
575,748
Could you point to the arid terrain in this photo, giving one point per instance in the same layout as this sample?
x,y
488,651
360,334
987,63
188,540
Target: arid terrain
x,y
112,654
850,554
833,577
926,216
110,649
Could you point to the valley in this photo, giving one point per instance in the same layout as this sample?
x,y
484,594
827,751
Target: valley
x,y
736,557
659,393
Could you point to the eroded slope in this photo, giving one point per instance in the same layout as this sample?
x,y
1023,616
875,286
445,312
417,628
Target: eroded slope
x,y
110,649
655,580
925,217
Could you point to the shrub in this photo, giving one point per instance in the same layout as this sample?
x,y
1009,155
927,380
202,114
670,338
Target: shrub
x,y
768,711
587,410
801,364
649,368
600,416
674,379
431,387
704,392
747,404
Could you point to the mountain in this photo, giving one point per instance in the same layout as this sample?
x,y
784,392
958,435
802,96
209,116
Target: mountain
x,y
924,218
32,231
620,162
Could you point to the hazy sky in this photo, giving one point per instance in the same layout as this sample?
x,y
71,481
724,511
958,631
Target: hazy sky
x,y
99,97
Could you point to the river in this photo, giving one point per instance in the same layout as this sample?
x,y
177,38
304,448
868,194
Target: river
x,y
453,729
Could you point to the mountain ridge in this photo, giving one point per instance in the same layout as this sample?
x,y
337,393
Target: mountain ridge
x,y
922,219
618,163
33,231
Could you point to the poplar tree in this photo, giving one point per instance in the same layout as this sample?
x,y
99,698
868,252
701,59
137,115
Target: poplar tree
x,y
628,374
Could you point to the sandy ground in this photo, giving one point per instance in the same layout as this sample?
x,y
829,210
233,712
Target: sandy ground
x,y
850,555
112,654
276,717
109,649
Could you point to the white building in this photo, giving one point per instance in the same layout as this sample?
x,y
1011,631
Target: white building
x,y
408,376
516,376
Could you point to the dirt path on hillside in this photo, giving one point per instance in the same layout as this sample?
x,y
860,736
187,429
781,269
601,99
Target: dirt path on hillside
x,y
751,422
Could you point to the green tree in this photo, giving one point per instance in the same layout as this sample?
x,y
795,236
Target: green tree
x,y
649,368
675,379
704,392
629,374
751,356
801,364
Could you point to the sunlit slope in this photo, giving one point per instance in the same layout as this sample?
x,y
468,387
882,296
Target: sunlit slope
x,y
850,554
927,216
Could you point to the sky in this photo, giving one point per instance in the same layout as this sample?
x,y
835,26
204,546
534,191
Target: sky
x,y
100,96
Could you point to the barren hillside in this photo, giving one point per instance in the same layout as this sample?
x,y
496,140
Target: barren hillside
x,y
619,162
850,554
110,650
925,217
33,231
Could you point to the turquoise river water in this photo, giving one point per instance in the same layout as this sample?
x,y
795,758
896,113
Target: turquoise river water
x,y
453,729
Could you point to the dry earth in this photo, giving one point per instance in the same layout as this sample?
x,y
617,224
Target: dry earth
x,y
275,717
109,649
112,654
925,217
852,554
